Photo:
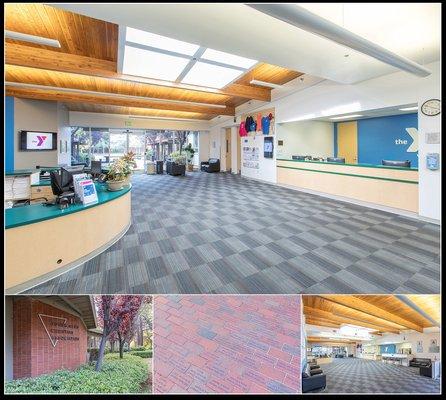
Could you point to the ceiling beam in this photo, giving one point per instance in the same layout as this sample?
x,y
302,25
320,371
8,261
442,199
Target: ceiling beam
x,y
27,56
370,309
327,315
114,100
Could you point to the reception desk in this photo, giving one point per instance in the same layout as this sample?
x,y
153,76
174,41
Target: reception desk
x,y
381,185
44,241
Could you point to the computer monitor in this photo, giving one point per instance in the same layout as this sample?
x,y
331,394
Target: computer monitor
x,y
96,168
56,185
336,160
66,179
396,163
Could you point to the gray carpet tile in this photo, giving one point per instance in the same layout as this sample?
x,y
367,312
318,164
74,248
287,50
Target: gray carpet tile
x,y
220,233
369,376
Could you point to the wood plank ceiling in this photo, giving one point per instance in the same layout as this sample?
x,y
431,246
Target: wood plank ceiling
x,y
83,72
382,313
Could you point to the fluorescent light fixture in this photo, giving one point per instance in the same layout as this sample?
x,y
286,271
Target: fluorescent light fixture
x,y
151,64
32,39
342,109
409,108
214,76
347,116
167,118
160,42
306,20
229,59
266,84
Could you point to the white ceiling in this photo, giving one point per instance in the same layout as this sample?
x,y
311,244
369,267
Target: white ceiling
x,y
412,30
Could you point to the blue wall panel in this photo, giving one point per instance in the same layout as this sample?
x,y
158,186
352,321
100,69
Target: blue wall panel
x,y
9,133
387,348
386,138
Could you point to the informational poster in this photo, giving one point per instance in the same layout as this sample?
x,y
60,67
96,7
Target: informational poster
x,y
433,346
419,346
88,190
251,156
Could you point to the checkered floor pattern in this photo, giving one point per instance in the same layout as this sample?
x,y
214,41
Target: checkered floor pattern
x,y
220,233
368,376
227,344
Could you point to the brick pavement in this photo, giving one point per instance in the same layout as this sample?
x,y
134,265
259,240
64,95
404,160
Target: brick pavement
x,y
227,344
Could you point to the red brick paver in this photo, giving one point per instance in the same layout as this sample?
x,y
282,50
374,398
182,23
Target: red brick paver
x,y
227,344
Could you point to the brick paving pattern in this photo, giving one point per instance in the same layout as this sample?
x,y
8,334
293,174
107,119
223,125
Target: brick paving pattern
x,y
227,344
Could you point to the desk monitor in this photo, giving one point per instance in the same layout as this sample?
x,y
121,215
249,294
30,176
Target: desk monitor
x,y
396,163
66,179
336,160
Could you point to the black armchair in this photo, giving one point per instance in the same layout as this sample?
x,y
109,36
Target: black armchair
x,y
212,165
313,380
174,169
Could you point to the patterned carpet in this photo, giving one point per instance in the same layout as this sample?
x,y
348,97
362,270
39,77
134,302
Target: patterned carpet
x,y
367,376
227,344
220,233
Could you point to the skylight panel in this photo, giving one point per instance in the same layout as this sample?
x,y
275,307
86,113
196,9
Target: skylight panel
x,y
226,58
210,75
160,42
151,64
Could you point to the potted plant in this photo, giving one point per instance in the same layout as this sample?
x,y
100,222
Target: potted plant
x,y
129,161
116,175
190,152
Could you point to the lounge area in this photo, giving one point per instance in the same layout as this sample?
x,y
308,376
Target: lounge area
x,y
372,344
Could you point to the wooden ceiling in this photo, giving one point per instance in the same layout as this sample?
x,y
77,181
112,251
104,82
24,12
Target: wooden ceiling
x,y
86,64
382,313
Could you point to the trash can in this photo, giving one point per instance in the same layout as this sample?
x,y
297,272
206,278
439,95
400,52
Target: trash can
x,y
159,167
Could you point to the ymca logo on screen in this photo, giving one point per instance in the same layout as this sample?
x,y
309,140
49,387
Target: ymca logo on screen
x,y
57,329
39,140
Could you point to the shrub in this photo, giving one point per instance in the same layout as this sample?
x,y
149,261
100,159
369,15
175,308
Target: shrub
x,y
138,348
117,376
142,353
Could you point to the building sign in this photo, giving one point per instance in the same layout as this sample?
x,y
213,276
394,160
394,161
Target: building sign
x,y
57,329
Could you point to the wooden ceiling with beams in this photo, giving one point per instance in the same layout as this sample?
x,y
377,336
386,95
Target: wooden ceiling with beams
x,y
83,72
382,313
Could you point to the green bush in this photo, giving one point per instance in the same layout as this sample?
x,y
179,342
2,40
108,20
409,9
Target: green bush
x,y
142,353
117,376
138,348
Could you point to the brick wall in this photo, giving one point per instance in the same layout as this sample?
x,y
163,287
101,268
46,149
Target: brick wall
x,y
34,353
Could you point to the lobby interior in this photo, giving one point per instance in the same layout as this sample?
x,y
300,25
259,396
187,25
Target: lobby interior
x,y
303,202
372,344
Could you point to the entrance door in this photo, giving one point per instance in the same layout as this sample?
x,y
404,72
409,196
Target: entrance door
x,y
137,144
348,141
228,149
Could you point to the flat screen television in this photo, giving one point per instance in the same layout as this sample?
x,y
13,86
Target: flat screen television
x,y
38,141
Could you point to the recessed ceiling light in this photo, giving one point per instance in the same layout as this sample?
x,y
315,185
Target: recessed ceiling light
x,y
409,108
347,116
160,42
151,64
226,58
214,76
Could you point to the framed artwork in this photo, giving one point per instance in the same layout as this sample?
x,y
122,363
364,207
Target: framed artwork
x,y
419,346
433,346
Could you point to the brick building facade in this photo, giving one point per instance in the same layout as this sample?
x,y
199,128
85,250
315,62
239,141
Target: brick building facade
x,y
45,339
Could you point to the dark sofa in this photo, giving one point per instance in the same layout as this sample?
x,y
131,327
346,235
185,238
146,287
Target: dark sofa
x,y
174,169
425,365
313,379
212,165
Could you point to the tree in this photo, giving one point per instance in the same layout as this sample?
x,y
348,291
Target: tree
x,y
182,138
115,313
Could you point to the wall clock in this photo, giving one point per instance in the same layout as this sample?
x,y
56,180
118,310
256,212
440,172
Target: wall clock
x,y
431,107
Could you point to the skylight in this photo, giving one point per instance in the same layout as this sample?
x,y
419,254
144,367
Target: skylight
x,y
226,58
154,56
151,64
160,42
211,75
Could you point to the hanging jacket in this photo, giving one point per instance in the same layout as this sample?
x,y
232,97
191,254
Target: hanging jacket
x,y
259,122
265,125
249,123
242,130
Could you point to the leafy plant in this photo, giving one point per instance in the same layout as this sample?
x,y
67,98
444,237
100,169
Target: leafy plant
x,y
125,375
142,354
190,152
118,171
178,157
129,159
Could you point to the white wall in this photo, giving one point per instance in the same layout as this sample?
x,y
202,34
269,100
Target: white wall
x,y
315,138
203,146
267,166
34,115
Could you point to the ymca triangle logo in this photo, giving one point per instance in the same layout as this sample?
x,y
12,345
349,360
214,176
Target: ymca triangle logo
x,y
44,316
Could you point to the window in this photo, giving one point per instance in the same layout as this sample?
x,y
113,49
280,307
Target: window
x,y
80,145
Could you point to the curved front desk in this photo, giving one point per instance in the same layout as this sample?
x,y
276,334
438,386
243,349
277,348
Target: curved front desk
x,y
44,241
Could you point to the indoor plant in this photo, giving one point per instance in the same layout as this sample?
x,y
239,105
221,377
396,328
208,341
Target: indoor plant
x,y
129,161
189,157
117,174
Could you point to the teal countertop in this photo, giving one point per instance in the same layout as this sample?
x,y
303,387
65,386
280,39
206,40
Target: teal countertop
x,y
25,215
18,172
350,165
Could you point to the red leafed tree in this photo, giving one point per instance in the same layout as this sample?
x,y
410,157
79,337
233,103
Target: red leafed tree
x,y
115,314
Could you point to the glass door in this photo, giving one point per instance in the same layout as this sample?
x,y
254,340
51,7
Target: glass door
x,y
137,144
118,144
